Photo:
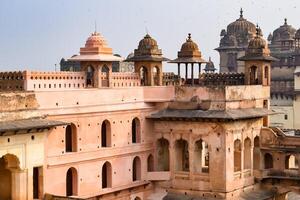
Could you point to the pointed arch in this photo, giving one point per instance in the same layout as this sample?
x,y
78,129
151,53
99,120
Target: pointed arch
x,y
144,76
256,154
182,155
247,153
163,155
201,157
268,161
90,76
150,163
105,134
291,162
71,138
136,169
136,130
71,182
237,155
106,175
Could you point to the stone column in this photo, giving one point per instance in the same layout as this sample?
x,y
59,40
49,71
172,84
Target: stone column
x,y
150,76
160,76
172,158
191,160
242,159
251,157
19,184
186,72
192,73
178,64
199,68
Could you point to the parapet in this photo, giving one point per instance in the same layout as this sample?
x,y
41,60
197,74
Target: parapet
x,y
219,79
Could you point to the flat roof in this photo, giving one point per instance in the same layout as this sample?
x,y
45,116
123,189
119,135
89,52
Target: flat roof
x,y
233,114
27,124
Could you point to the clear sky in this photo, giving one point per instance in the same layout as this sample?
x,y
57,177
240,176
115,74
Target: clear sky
x,y
36,34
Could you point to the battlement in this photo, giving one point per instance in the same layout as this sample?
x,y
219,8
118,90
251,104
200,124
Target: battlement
x,y
217,79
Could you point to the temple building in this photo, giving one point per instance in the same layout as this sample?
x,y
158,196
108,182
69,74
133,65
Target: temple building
x,y
145,135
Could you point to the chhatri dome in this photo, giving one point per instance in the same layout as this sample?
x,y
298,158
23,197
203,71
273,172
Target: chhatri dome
x,y
96,49
147,51
284,33
238,33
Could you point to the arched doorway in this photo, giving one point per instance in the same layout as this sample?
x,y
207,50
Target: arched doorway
x,y
105,134
105,76
8,163
237,155
136,169
71,182
163,159
268,161
256,154
201,157
135,128
247,153
71,138
291,162
182,155
106,175
150,163
144,76
90,76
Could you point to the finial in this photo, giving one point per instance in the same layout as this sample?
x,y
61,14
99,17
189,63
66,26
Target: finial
x,y
146,29
257,30
95,26
209,59
241,13
189,36
285,21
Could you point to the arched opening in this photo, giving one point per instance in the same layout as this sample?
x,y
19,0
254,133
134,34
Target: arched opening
x,y
144,76
90,76
268,161
253,75
237,155
256,153
8,164
105,76
291,162
182,155
136,169
266,74
247,153
71,182
105,134
201,157
136,130
156,73
106,175
137,198
163,159
71,138
150,163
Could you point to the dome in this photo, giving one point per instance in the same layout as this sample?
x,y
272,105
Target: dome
x,y
147,43
210,66
257,42
241,26
95,40
284,32
228,40
189,45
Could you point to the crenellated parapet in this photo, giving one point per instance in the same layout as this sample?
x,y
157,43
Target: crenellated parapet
x,y
217,79
11,81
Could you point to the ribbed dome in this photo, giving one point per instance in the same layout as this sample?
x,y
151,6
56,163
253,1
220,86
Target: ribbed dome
x,y
297,35
189,45
257,42
96,40
284,32
240,26
147,43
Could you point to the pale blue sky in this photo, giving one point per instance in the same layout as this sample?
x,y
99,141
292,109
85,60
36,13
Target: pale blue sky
x,y
35,34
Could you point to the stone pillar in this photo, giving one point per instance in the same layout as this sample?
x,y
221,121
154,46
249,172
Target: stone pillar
x,y
191,159
199,69
242,159
178,69
19,184
251,156
186,72
192,73
172,158
150,76
160,76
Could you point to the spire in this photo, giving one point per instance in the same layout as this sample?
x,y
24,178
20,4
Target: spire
x,y
241,13
257,31
285,21
189,37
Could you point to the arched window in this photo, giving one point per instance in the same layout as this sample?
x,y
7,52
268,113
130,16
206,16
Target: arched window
x,y
150,163
201,157
71,182
90,76
137,198
106,175
144,76
105,76
291,162
253,75
155,74
268,161
105,134
136,169
163,158
237,155
136,130
182,155
71,138
256,154
247,153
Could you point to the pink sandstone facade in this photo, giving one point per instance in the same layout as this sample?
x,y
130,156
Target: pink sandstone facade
x,y
97,134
